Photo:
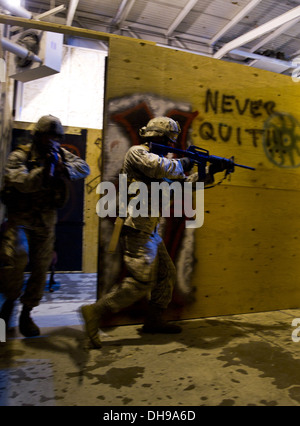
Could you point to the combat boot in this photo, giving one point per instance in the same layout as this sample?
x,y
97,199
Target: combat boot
x,y
92,324
154,322
26,325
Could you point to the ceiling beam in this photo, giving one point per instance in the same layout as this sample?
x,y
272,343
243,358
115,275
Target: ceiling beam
x,y
71,11
184,12
274,34
64,29
237,18
195,52
50,12
192,39
258,32
271,37
132,33
123,12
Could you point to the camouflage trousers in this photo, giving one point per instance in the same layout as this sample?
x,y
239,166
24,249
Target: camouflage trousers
x,y
151,273
19,245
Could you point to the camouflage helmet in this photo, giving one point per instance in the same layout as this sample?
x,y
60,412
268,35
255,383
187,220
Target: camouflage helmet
x,y
49,124
161,126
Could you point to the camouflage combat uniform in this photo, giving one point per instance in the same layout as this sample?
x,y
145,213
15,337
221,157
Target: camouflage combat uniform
x,y
151,271
32,205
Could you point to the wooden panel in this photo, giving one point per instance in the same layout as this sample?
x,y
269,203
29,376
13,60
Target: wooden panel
x,y
245,256
90,231
247,253
230,99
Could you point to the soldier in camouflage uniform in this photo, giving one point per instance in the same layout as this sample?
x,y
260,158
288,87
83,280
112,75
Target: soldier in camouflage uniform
x,y
35,186
151,271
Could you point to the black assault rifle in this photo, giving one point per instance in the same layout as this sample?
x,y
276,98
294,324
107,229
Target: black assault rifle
x,y
201,157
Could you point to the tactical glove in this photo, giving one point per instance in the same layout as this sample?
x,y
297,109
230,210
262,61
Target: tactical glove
x,y
187,164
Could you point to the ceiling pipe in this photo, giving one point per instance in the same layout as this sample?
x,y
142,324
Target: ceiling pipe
x,y
15,10
18,50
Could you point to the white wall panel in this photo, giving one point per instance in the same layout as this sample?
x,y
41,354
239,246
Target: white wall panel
x,y
75,95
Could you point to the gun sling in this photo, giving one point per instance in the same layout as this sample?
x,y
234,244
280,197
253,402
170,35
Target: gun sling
x,y
119,222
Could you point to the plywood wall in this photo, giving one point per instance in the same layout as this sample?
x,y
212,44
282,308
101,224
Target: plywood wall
x,y
91,219
246,256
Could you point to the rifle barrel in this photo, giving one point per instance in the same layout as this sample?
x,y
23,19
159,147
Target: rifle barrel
x,y
244,167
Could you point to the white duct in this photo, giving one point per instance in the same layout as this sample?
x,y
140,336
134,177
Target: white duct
x,y
18,50
15,10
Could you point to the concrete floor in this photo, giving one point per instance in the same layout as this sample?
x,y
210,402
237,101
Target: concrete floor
x,y
236,360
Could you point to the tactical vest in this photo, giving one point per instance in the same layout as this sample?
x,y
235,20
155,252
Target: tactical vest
x,y
51,197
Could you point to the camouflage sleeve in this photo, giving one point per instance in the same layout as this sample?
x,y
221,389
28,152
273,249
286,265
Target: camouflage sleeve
x,y
19,176
153,165
76,167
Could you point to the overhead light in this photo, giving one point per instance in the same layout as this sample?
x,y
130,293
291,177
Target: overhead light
x,y
15,3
